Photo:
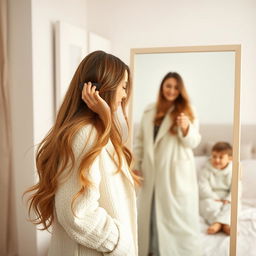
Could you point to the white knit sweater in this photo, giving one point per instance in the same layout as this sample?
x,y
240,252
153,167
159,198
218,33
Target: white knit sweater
x,y
106,221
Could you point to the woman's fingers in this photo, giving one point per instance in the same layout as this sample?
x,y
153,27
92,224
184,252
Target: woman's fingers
x,y
87,89
88,94
93,90
93,100
98,98
182,120
92,94
101,102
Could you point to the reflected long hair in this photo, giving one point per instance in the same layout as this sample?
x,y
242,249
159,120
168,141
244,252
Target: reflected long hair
x,y
55,151
181,103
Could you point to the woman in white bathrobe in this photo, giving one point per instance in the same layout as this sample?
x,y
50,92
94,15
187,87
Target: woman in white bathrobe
x,y
168,210
85,191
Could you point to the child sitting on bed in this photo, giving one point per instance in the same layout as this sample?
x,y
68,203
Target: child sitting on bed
x,y
215,189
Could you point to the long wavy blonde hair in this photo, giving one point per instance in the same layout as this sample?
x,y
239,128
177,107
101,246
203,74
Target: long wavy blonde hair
x,y
181,103
55,151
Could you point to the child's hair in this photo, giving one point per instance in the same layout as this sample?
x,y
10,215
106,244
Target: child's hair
x,y
182,103
222,147
55,150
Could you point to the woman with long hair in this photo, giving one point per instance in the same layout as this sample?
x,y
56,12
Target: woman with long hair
x,y
168,200
85,191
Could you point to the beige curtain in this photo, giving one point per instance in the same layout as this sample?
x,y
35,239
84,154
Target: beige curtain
x,y
8,241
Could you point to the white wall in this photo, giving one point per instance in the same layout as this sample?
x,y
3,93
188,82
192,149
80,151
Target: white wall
x,y
44,15
31,53
211,74
135,24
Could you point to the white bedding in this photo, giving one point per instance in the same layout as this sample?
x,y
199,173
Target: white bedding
x,y
247,230
218,244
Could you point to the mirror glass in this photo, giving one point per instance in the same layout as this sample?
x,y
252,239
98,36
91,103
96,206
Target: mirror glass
x,y
183,105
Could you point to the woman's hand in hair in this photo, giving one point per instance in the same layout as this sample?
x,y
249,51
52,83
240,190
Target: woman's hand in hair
x,y
93,100
183,123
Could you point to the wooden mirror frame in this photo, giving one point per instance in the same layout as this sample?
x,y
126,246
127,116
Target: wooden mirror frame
x,y
236,118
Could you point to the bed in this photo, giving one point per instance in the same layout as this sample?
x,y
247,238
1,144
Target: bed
x,y
218,245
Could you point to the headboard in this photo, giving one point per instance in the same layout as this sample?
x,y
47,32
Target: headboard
x,y
212,133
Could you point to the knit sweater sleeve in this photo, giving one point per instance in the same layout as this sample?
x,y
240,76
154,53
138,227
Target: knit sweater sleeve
x,y
91,226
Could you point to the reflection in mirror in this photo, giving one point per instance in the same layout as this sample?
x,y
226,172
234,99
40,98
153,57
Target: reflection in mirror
x,y
184,201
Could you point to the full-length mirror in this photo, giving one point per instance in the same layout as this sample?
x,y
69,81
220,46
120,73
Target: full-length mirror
x,y
185,119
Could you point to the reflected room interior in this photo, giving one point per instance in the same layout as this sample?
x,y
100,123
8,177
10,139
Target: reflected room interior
x,y
209,78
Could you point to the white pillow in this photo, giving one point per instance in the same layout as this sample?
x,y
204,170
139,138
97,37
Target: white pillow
x,y
248,169
200,162
246,151
208,147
